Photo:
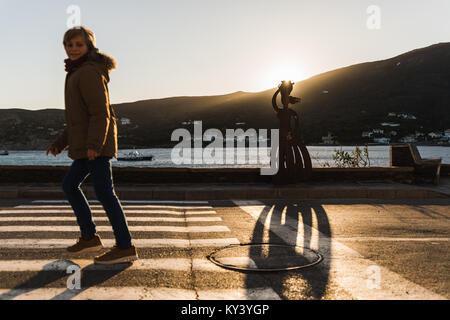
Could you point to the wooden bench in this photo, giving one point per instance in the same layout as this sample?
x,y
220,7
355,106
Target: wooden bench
x,y
407,155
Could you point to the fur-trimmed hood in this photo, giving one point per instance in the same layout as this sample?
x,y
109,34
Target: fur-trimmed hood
x,y
107,60
103,61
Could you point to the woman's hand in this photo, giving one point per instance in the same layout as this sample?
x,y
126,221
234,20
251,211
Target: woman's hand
x,y
53,150
92,154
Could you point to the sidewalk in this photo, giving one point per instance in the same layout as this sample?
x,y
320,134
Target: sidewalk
x,y
214,191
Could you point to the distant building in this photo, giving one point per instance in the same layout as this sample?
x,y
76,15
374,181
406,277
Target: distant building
x,y
419,134
366,134
329,139
434,135
392,114
406,116
381,140
378,131
125,121
393,133
408,139
447,133
390,124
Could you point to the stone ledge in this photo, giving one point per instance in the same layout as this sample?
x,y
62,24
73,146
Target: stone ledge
x,y
142,175
225,192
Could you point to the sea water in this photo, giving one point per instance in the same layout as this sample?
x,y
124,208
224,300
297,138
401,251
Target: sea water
x,y
162,157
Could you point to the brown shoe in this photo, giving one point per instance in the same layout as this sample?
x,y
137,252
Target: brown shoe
x,y
117,255
83,246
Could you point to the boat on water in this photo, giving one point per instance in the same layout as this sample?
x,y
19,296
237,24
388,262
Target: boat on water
x,y
4,153
135,156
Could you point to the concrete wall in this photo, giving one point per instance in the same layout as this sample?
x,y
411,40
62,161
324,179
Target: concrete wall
x,y
55,174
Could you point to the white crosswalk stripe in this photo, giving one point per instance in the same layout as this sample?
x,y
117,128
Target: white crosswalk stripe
x,y
348,268
140,243
137,219
170,264
139,293
196,223
126,202
134,206
196,229
65,209
183,209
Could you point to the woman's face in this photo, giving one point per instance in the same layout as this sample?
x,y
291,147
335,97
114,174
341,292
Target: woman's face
x,y
76,48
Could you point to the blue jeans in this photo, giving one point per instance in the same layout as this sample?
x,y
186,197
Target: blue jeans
x,y
101,173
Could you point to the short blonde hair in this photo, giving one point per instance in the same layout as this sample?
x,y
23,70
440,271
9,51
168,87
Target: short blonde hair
x,y
93,52
87,34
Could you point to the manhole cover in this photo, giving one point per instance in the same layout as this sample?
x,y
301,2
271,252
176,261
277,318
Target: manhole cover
x,y
265,257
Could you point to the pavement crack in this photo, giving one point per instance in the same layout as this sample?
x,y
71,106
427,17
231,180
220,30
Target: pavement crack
x,y
191,256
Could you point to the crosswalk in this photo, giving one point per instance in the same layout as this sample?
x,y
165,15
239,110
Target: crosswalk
x,y
347,268
30,232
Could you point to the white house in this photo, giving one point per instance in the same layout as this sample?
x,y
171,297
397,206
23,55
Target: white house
x,y
390,124
381,140
408,139
366,134
406,116
378,131
328,139
419,134
125,121
434,135
447,133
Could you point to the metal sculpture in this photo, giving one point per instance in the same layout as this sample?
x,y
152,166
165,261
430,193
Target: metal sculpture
x,y
294,161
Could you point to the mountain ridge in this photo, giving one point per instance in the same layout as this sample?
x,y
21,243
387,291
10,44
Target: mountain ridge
x,y
346,102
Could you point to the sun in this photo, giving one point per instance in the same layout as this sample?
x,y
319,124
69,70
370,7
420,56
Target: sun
x,y
277,74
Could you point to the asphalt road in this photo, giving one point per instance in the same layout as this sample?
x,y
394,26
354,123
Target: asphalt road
x,y
371,249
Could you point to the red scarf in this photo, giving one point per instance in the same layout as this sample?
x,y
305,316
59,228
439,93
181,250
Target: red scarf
x,y
72,65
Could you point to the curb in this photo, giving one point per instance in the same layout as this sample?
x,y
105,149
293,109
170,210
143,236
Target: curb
x,y
226,193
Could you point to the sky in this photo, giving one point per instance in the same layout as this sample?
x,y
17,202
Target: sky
x,y
168,48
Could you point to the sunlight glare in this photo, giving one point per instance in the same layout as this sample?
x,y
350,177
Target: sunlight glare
x,y
285,72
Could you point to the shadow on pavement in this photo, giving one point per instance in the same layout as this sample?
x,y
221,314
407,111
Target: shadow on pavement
x,y
315,278
90,276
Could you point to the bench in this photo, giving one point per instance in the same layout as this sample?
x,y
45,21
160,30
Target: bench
x,y
407,155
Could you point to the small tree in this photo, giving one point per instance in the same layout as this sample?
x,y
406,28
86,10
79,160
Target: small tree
x,y
355,159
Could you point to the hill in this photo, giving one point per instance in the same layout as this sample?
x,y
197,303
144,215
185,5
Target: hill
x,y
346,102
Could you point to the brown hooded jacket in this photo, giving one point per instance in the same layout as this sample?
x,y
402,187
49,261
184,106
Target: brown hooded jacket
x,y
90,119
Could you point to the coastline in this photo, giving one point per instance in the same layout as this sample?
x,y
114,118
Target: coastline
x,y
168,146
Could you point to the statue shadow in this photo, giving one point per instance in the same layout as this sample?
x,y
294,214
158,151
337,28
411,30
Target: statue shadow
x,y
275,227
90,276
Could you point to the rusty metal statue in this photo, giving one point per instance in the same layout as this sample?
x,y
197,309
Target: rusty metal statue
x,y
294,161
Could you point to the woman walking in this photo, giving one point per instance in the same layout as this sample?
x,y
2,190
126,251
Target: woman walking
x,y
91,137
